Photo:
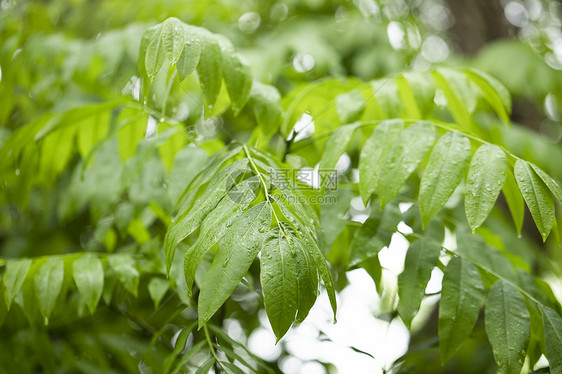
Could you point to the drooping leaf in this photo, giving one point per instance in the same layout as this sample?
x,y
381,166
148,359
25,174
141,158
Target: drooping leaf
x,y
350,106
13,279
507,323
237,250
190,55
189,220
460,97
150,55
445,169
307,276
462,295
278,276
154,55
173,39
48,284
537,196
486,176
514,200
238,80
335,147
552,324
473,248
126,269
550,183
410,149
375,233
267,110
209,69
214,226
494,92
374,153
417,91
88,276
421,258
157,288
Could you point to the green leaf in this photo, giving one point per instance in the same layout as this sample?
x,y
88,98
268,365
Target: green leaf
x,y
421,258
190,55
214,226
278,276
335,147
445,169
494,92
48,284
350,106
173,39
411,148
157,288
209,69
132,129
460,98
552,324
462,295
267,109
486,176
155,54
88,276
375,233
307,276
514,200
507,323
537,196
550,183
473,248
16,271
417,91
126,269
238,80
237,250
206,366
188,221
148,62
374,153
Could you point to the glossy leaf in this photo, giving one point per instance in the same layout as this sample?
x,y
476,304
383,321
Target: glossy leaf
x,y
552,324
209,69
537,196
411,148
374,153
462,295
350,106
445,169
265,102
460,98
307,276
507,323
237,250
514,200
421,258
88,276
157,288
173,39
126,269
278,276
238,80
552,185
13,278
335,147
214,226
48,284
486,177
494,92
191,53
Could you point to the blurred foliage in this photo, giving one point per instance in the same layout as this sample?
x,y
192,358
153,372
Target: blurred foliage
x,y
102,156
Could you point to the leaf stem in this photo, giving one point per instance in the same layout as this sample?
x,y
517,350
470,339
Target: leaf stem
x,y
211,347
